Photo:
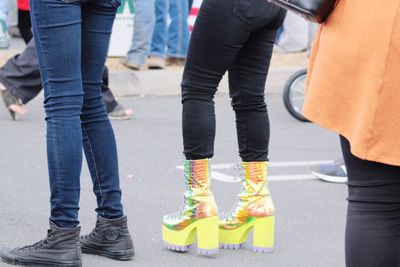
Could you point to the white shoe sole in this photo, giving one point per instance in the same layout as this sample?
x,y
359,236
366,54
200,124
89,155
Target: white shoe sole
x,y
331,179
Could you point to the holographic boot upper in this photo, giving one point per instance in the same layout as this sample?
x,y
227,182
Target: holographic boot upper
x,y
199,214
253,210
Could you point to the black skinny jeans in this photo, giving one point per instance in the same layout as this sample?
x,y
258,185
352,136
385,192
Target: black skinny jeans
x,y
238,36
373,216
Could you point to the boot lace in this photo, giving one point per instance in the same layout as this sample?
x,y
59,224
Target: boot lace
x,y
40,243
238,168
93,233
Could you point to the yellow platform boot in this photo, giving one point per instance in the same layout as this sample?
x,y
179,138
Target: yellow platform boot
x,y
254,210
199,217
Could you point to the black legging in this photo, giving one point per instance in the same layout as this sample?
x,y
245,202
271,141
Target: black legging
x,y
237,36
373,218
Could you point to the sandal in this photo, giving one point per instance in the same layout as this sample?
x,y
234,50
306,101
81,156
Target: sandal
x,y
9,99
120,113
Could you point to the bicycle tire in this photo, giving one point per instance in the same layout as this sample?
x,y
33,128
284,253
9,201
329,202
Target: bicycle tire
x,y
287,95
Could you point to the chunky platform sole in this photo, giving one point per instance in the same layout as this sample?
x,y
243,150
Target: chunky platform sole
x,y
263,235
10,258
124,255
206,231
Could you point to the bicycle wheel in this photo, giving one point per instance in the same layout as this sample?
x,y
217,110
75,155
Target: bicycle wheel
x,y
294,94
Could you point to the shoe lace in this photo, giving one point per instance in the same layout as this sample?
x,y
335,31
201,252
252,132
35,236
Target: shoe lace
x,y
238,168
40,243
94,232
239,178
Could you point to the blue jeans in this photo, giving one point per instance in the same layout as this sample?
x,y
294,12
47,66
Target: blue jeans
x,y
3,10
190,4
3,17
144,21
72,39
172,40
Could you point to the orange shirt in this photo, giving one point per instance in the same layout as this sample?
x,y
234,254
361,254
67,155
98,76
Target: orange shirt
x,y
353,85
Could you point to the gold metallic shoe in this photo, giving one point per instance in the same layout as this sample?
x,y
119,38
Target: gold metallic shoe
x,y
254,210
198,217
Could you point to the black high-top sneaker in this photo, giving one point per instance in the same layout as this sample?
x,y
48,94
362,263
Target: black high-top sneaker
x,y
110,238
60,248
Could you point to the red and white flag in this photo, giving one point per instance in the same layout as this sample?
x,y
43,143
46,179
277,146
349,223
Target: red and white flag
x,y
193,13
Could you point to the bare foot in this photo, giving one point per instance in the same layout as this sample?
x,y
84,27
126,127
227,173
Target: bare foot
x,y
129,111
2,87
18,109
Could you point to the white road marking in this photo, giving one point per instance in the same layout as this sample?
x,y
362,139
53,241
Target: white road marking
x,y
289,177
224,178
271,164
275,164
272,178
292,177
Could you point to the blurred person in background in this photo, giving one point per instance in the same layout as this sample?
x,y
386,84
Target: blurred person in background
x,y
190,4
143,28
20,82
24,20
353,89
333,172
170,42
295,35
4,36
20,79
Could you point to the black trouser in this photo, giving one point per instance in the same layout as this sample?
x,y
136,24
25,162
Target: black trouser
x,y
24,25
109,100
373,216
238,36
21,76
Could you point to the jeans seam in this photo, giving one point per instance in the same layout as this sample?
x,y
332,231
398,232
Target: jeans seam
x,y
58,176
95,171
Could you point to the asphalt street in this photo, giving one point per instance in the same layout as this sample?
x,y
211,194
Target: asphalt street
x,y
310,213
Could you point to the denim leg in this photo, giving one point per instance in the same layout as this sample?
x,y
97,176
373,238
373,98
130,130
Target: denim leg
x,y
57,32
178,32
190,2
98,136
144,21
4,36
3,10
247,77
159,40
